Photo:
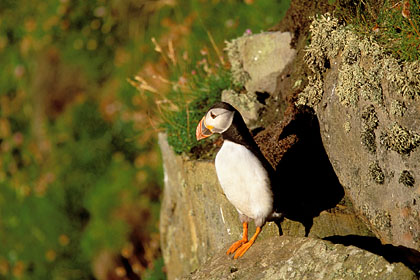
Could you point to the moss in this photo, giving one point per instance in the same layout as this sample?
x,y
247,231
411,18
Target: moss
x,y
398,108
406,179
376,173
400,139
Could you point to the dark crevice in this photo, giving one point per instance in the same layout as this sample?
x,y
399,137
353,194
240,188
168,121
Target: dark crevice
x,y
393,254
307,183
262,97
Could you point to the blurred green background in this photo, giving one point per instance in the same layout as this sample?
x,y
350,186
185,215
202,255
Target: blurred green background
x,y
80,93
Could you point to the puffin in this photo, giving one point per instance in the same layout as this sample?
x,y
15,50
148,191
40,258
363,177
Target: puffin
x,y
244,174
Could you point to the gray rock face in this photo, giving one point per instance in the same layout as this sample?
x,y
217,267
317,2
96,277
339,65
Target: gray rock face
x,y
299,258
197,221
258,60
247,104
368,106
257,63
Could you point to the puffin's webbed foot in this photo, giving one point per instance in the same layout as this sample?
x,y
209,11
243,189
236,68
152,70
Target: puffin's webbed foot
x,y
235,246
239,243
241,251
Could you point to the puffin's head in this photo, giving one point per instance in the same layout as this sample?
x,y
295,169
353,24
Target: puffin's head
x,y
217,120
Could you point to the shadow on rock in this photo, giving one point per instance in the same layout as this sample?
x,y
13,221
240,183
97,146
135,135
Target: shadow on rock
x,y
393,254
307,183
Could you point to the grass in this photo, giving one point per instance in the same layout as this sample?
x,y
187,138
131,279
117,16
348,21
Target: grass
x,y
393,24
180,125
195,81
80,171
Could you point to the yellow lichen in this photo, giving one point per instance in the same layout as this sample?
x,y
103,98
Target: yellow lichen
x,y
347,126
239,75
369,124
363,68
312,94
400,139
398,108
406,179
376,173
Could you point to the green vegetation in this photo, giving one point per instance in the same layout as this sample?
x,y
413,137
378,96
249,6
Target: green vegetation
x,y
180,125
80,170
393,24
199,74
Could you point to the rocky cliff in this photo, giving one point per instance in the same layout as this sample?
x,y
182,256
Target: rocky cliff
x,y
345,150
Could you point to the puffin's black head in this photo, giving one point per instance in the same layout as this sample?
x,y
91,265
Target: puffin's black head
x,y
217,120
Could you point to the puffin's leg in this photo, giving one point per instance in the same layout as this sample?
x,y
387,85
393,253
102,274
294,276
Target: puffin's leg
x,y
239,243
241,251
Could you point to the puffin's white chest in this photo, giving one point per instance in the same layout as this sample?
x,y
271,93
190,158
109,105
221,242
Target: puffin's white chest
x,y
244,180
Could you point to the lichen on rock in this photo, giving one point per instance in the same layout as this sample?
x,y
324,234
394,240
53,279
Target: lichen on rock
x,y
369,118
398,108
368,106
312,94
369,124
376,173
400,139
239,75
404,78
292,258
406,179
364,65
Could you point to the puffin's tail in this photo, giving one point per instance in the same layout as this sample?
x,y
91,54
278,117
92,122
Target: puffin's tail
x,y
275,216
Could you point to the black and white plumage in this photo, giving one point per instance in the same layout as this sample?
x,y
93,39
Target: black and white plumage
x,y
243,172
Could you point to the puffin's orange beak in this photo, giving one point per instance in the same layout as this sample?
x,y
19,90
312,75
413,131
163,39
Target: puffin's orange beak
x,y
202,131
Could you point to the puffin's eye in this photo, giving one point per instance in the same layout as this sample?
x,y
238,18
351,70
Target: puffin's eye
x,y
212,115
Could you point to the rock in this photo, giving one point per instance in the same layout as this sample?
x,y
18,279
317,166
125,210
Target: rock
x,y
247,104
368,106
288,257
257,63
258,60
197,221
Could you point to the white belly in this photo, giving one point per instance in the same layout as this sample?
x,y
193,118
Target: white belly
x,y
244,180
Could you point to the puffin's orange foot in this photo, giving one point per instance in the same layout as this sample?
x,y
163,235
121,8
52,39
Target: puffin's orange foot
x,y
235,246
239,243
241,251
